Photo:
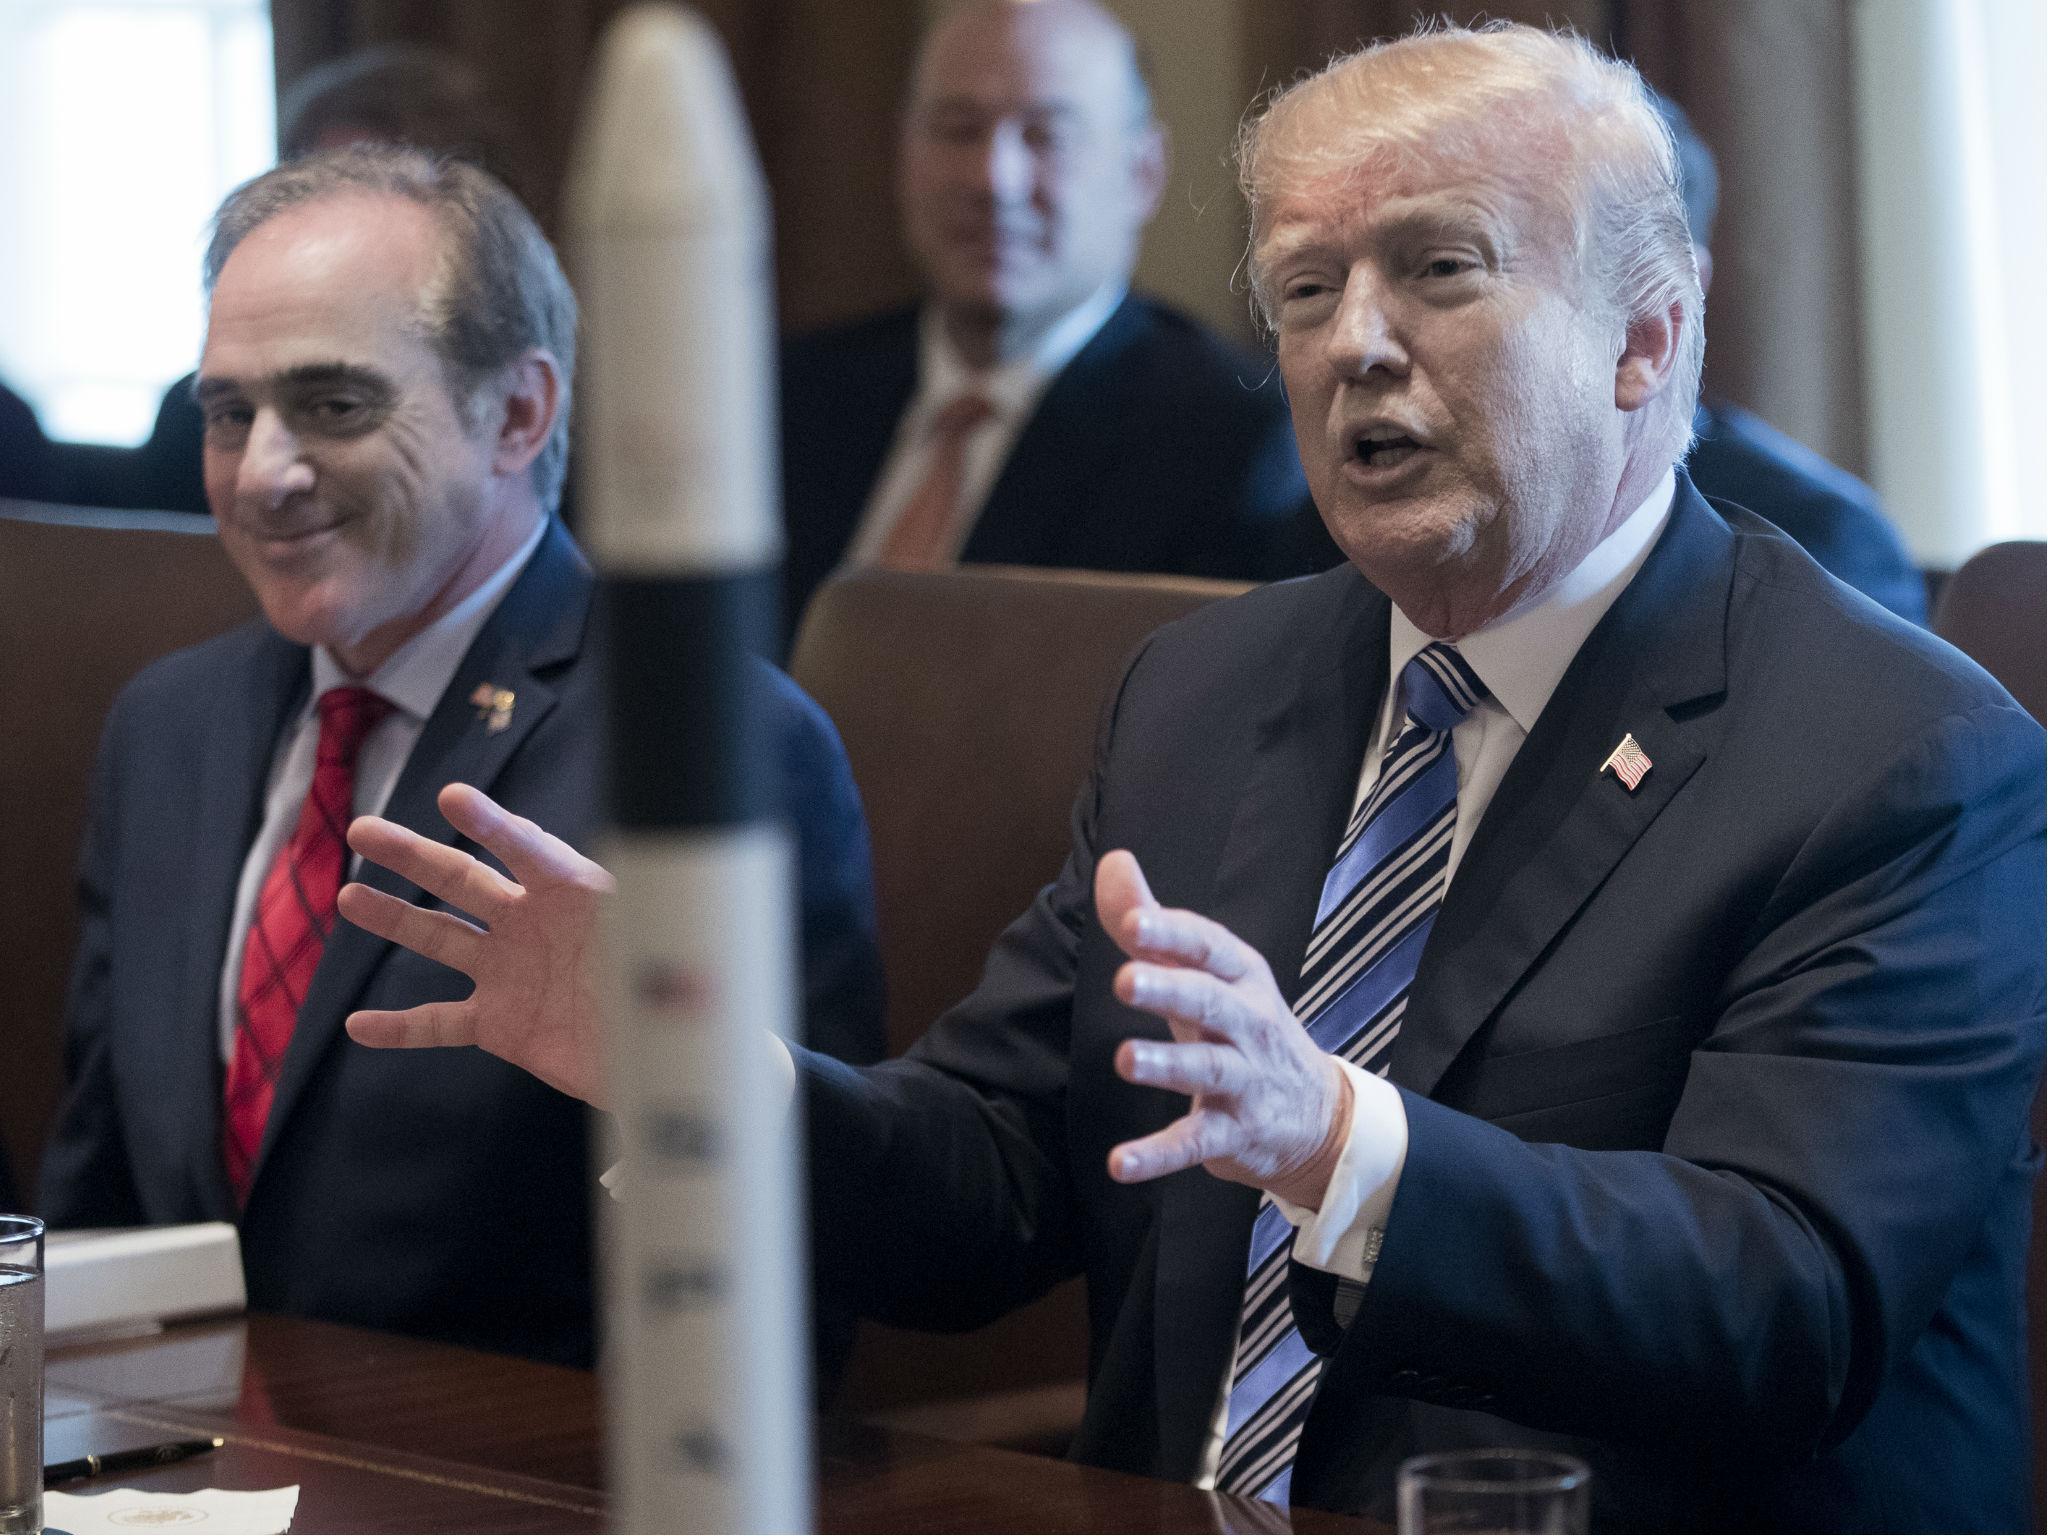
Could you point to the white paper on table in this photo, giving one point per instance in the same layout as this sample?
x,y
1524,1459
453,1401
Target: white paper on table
x,y
263,1512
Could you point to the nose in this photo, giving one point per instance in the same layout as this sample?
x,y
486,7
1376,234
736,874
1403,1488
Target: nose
x,y
274,466
1004,166
1364,335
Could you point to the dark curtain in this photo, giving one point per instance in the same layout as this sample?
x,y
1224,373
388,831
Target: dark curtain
x,y
821,79
1767,84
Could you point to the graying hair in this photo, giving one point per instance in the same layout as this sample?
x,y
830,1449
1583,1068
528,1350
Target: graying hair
x,y
1445,92
500,292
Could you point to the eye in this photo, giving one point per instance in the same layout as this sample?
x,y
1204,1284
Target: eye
x,y
227,423
341,414
1448,266
1049,137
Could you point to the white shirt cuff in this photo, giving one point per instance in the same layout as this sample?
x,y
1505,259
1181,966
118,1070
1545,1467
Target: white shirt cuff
x,y
1343,1237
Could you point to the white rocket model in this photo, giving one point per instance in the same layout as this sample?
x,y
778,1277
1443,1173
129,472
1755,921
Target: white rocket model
x,y
706,1340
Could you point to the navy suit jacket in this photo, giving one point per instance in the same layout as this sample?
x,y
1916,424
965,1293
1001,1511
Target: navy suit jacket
x,y
441,1193
1717,1091
1159,447
1742,459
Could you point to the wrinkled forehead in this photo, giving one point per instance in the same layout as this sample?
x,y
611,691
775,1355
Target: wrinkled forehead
x,y
1353,188
1344,142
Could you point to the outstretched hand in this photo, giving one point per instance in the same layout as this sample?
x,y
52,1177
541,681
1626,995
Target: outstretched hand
x,y
1270,1108
533,961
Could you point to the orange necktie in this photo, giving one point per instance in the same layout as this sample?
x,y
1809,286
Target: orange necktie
x,y
927,531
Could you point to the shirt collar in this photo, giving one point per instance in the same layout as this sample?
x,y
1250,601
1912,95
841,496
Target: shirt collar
x,y
1012,387
1522,656
415,675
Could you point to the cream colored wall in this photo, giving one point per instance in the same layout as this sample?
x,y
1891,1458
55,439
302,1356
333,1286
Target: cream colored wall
x,y
1194,248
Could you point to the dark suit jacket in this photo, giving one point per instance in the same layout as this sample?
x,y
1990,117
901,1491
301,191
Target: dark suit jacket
x,y
1159,447
1744,460
25,454
442,1193
1716,1091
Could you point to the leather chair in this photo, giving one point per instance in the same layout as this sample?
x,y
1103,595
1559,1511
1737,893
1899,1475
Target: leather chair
x,y
1995,610
89,597
969,701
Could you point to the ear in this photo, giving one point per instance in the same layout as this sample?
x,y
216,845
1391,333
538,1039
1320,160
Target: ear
x,y
1151,159
532,401
1649,355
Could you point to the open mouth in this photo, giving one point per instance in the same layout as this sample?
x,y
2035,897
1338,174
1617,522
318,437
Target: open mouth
x,y
1378,450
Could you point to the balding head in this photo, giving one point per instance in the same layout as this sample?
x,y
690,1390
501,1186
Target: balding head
x,y
1030,166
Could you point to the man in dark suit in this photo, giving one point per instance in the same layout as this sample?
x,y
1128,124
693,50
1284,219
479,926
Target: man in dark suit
x,y
386,386
1592,994
1105,430
25,457
1738,457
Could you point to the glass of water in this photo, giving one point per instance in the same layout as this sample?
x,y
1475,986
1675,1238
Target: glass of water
x,y
21,1374
1504,1490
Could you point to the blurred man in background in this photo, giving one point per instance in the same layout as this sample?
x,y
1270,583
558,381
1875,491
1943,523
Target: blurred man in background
x,y
1739,457
1033,410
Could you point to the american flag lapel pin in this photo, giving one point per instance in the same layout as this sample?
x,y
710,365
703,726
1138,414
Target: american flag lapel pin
x,y
493,706
1628,763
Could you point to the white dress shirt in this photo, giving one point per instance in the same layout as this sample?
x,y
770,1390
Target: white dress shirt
x,y
1013,388
1521,657
412,680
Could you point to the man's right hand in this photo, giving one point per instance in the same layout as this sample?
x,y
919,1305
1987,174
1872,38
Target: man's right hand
x,y
534,962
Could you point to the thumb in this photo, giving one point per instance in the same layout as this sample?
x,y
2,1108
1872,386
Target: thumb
x,y
1120,895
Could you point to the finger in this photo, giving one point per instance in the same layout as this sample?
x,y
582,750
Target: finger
x,y
1178,937
428,1025
1191,1140
534,855
456,877
440,936
1121,897
1193,1000
1190,1068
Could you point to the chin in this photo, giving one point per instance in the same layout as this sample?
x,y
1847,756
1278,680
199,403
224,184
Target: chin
x,y
1406,535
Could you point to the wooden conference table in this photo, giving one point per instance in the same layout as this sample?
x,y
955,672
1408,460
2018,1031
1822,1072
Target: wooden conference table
x,y
383,1433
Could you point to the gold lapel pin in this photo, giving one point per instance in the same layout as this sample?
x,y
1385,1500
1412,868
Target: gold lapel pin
x,y
493,706
1628,763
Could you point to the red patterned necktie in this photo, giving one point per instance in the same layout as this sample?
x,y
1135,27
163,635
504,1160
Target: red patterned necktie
x,y
293,916
927,531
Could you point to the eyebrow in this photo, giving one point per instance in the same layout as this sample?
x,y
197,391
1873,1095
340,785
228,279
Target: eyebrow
x,y
302,376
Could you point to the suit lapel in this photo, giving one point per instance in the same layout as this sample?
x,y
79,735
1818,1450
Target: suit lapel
x,y
536,628
1025,520
248,714
1557,825
1297,792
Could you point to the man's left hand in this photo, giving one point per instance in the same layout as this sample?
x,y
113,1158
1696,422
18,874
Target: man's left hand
x,y
1271,1108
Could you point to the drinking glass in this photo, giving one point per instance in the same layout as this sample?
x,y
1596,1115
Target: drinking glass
x,y
1493,1490
21,1374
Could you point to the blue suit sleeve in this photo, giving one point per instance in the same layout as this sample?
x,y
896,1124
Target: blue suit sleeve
x,y
842,968
86,1179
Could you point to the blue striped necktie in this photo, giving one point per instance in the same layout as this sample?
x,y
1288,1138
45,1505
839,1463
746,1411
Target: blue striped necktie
x,y
1379,902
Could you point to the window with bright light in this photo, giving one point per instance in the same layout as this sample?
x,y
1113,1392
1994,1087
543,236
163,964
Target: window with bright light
x,y
122,125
